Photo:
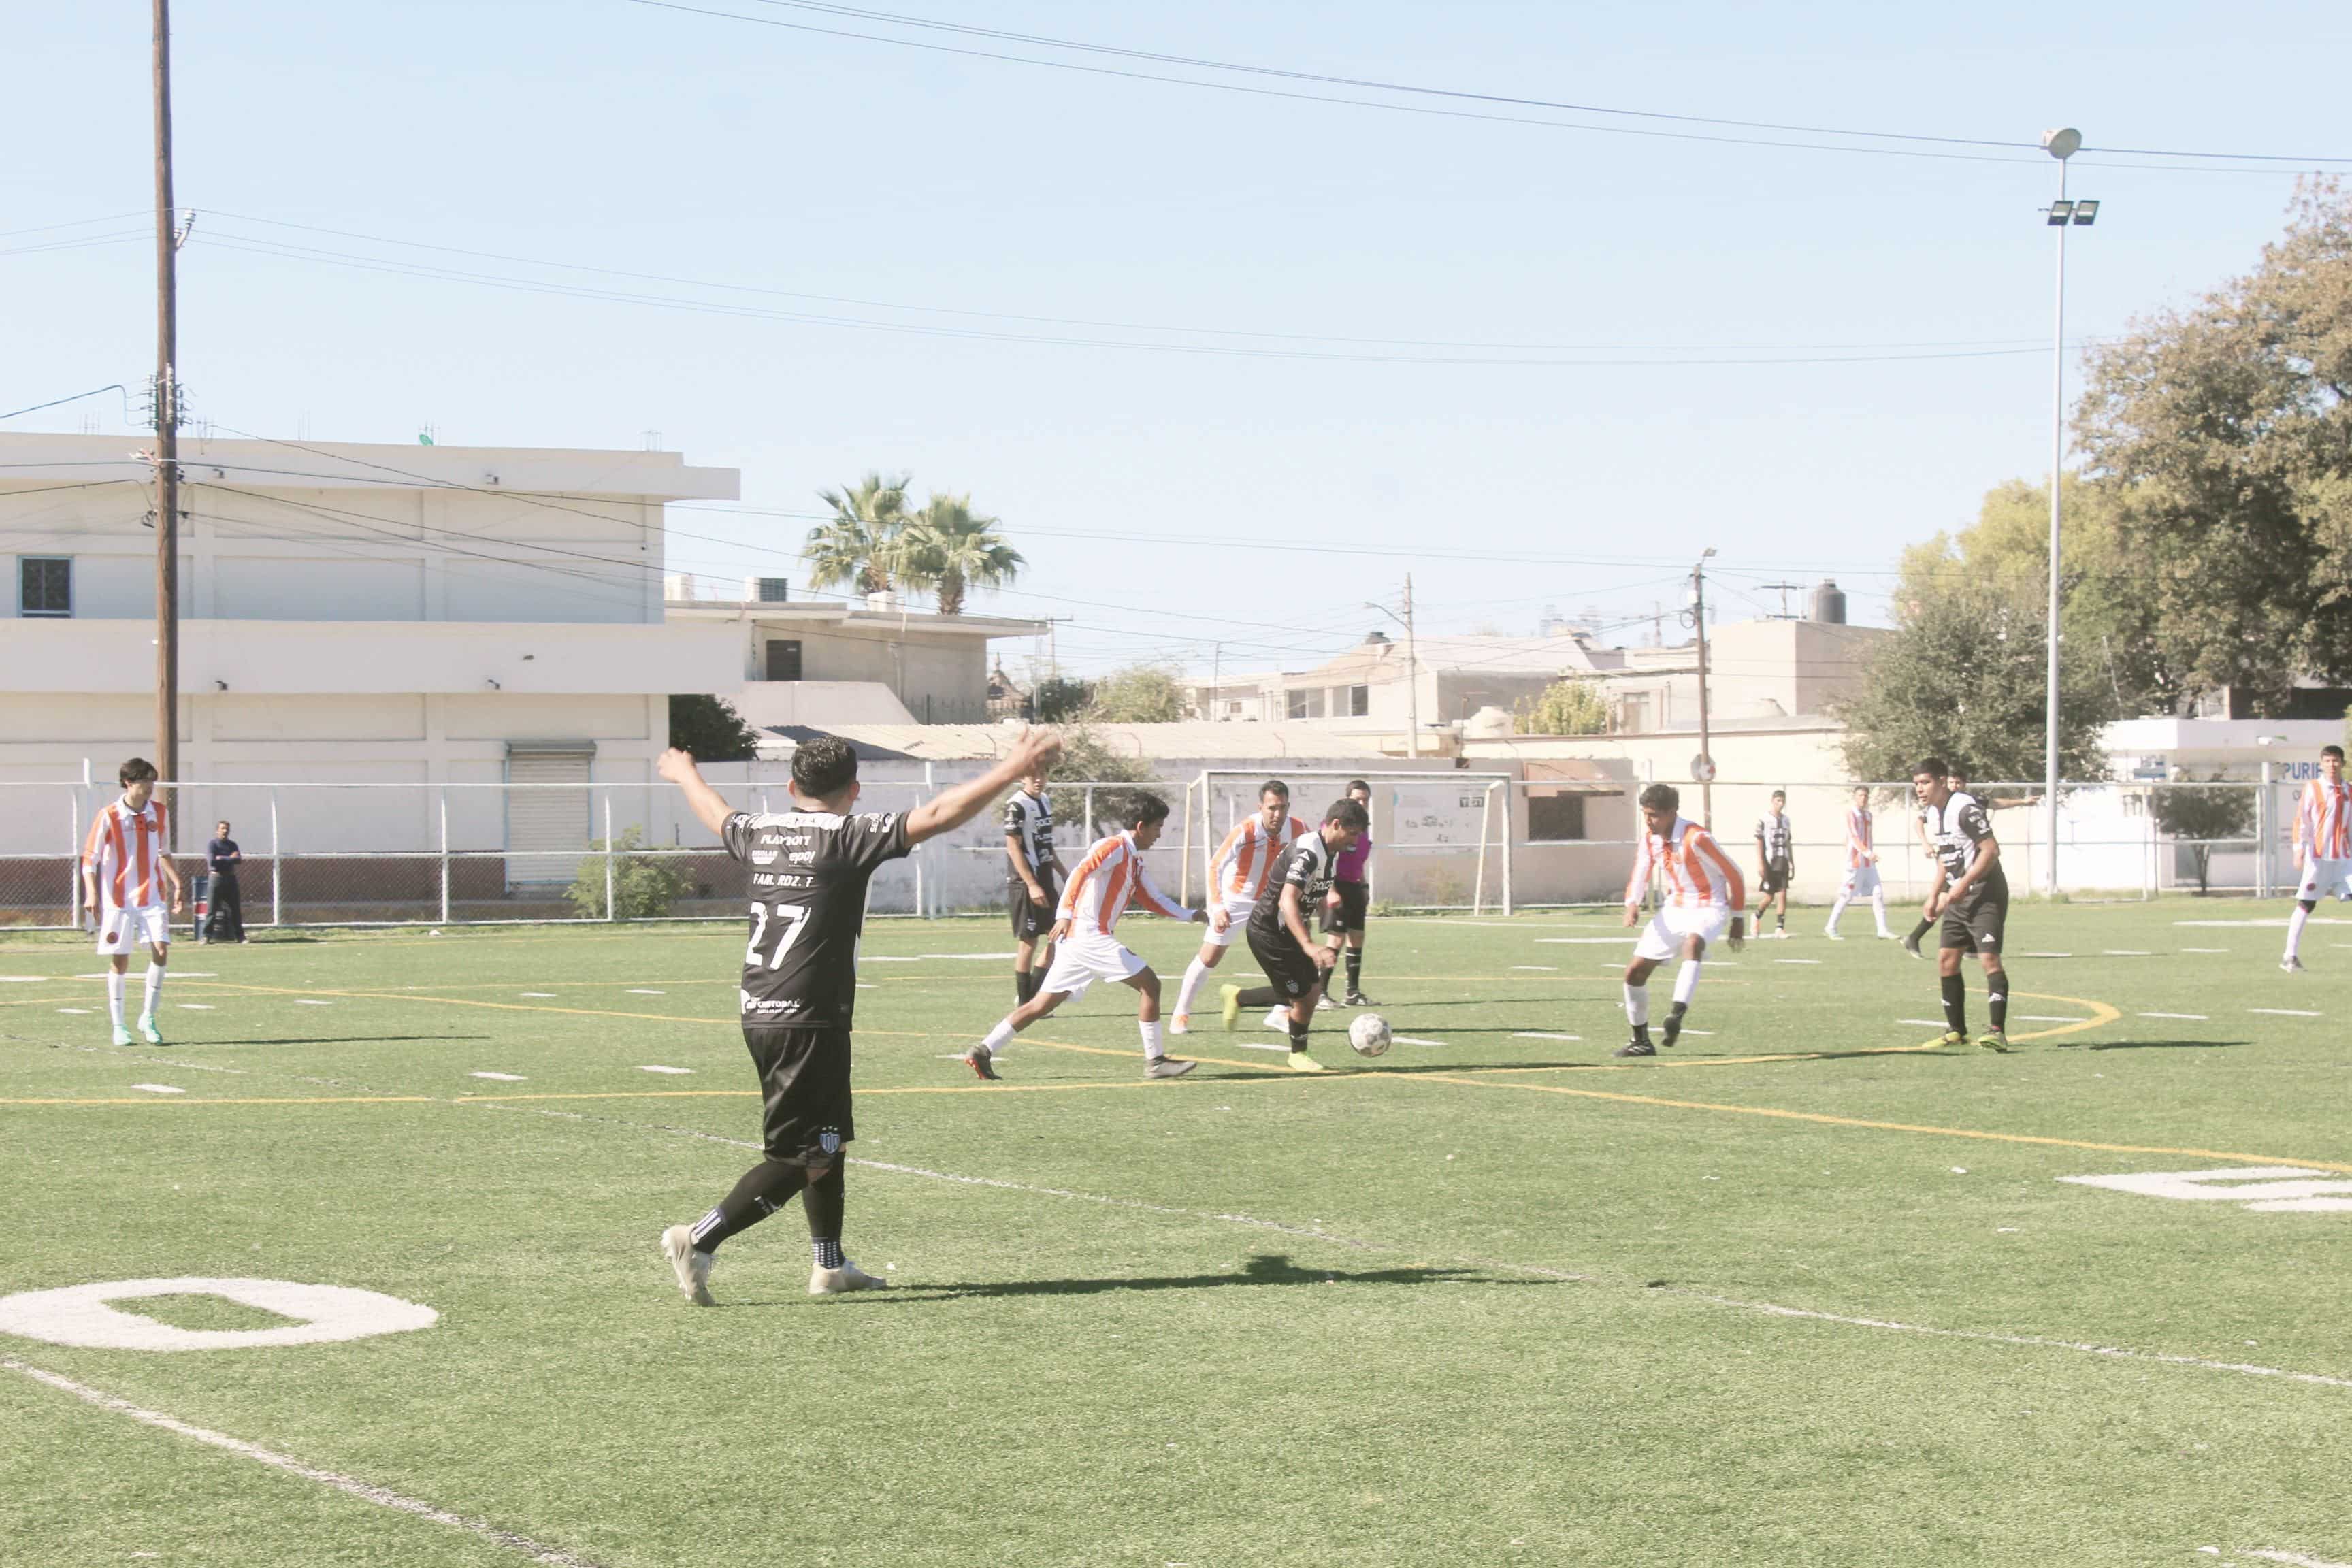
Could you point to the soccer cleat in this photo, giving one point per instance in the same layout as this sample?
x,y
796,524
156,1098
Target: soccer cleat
x,y
2290,964
692,1268
121,1036
1673,1031
1233,998
1167,1067
983,1061
1832,936
1357,999
1181,1024
842,1280
1911,946
1635,1049
1301,1062
1995,1041
1952,1037
147,1030
1277,1018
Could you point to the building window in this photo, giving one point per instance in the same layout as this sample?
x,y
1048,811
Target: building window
x,y
783,659
45,586
1359,702
1306,704
1634,714
1555,815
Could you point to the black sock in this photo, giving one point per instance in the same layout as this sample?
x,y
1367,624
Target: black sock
x,y
1922,928
1642,1031
764,1189
1997,1001
823,1203
1020,986
1956,1004
1260,996
1298,1035
1676,1011
1355,970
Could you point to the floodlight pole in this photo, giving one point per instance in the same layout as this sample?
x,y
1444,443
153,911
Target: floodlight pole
x,y
2061,145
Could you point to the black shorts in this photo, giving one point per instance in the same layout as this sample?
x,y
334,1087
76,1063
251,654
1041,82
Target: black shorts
x,y
1978,923
1286,965
1030,920
804,1116
1775,877
1349,914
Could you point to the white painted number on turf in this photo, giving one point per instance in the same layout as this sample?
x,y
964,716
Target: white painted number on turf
x,y
2263,1189
84,1316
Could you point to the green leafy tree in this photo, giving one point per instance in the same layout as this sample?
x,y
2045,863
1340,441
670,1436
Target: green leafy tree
x,y
1089,757
2199,813
2224,435
1139,694
1059,700
711,729
1569,707
643,887
949,550
1962,678
861,547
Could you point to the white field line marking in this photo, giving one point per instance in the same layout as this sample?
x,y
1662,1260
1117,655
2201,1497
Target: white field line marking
x,y
195,1006
2192,1017
2285,1011
2045,956
381,1497
1796,961
641,991
1704,1034
1416,1040
195,974
84,1012
311,1002
1282,1050
2294,1558
2049,1019
681,1071
2125,952
2204,950
542,995
159,1089
1537,1034
969,957
1552,968
1923,1023
1587,940
498,1077
24,979
2315,920
2112,1353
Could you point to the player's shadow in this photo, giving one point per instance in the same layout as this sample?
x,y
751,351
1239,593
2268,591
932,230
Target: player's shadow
x,y
2153,1045
319,1040
1267,1268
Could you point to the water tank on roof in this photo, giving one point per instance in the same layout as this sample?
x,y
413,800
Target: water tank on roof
x,y
1828,603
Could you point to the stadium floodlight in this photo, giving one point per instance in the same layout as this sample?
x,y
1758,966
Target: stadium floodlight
x,y
2086,212
2059,213
2062,144
2062,214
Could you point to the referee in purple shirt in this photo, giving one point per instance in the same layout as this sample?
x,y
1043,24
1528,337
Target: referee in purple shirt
x,y
1344,910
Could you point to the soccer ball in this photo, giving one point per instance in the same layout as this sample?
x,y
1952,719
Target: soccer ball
x,y
1369,1034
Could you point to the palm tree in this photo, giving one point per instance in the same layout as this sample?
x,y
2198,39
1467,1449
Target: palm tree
x,y
861,548
950,550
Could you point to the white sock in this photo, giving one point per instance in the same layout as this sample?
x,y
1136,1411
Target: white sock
x,y
1000,1037
1637,1004
1878,909
1836,910
155,987
1195,972
115,979
1153,1051
2295,928
1686,981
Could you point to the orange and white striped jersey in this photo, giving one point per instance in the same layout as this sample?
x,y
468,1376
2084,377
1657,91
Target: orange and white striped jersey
x,y
1249,852
2323,823
1695,870
125,851
1106,883
1860,849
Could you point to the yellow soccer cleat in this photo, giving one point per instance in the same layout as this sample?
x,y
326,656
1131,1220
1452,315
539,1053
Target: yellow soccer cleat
x,y
1301,1062
1233,995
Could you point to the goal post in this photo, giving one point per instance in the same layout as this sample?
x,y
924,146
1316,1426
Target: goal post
x,y
1441,837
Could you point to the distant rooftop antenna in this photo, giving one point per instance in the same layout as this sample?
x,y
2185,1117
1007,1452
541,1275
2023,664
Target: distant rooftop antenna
x,y
1785,589
653,441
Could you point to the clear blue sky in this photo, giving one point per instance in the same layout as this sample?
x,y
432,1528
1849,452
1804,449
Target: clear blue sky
x,y
620,136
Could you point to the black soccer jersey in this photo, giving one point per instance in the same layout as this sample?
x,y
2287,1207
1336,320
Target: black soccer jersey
x,y
1955,830
809,871
1307,866
1772,829
1029,821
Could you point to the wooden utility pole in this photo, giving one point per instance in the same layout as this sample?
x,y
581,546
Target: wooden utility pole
x,y
1411,670
167,432
1706,766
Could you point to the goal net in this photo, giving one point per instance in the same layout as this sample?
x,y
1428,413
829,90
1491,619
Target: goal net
x,y
1440,838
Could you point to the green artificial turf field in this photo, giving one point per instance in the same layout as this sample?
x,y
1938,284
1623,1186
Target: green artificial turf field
x,y
1798,1293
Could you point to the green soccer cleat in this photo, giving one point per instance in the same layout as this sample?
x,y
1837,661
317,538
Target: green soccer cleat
x,y
147,1031
1994,1041
1952,1037
1233,995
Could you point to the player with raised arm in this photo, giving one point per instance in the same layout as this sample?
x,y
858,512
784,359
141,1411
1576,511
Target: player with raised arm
x,y
1776,862
1297,966
1970,895
1087,946
2323,848
1347,907
809,869
127,876
1699,896
1033,884
1861,867
1235,874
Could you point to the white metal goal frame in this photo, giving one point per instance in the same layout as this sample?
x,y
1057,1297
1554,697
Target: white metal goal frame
x,y
1421,827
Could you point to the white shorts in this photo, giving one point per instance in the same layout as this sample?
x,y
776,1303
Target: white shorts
x,y
2323,878
1238,913
1082,959
123,932
1861,881
1662,937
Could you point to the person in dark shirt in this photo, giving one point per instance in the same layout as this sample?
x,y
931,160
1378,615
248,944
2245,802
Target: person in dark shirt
x,y
1970,894
809,869
225,905
1297,966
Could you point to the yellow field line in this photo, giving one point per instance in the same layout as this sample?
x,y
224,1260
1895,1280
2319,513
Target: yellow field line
x,y
280,1099
500,1006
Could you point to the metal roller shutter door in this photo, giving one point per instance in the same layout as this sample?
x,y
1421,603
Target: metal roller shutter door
x,y
547,828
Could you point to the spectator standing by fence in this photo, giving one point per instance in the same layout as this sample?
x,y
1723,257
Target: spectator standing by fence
x,y
225,903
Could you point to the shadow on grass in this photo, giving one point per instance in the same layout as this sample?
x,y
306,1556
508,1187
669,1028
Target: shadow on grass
x,y
2159,1046
310,1040
1267,1268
